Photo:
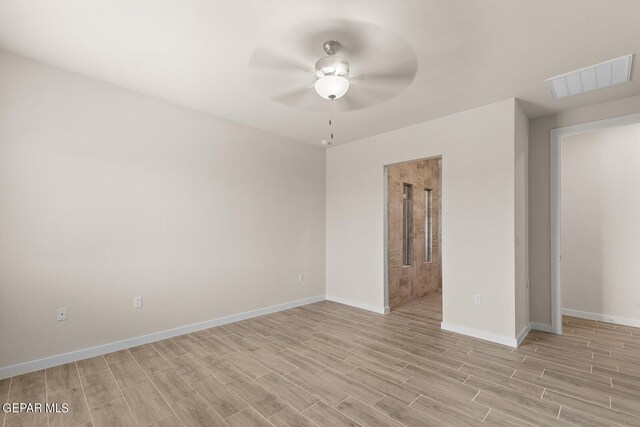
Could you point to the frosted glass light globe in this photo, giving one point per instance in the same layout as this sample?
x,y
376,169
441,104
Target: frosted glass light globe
x,y
332,86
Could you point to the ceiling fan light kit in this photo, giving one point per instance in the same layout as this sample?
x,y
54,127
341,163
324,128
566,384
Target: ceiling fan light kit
x,y
361,65
332,73
331,87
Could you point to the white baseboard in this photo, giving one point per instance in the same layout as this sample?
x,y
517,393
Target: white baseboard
x,y
346,301
602,317
522,335
48,362
538,326
487,336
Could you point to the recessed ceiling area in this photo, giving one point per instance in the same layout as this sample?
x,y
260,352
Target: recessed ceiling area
x,y
197,54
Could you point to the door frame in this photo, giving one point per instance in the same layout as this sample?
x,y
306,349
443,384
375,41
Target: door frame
x,y
555,156
385,225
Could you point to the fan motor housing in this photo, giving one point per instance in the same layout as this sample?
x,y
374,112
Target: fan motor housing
x,y
332,66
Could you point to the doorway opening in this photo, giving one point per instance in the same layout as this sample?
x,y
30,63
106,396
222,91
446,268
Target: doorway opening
x,y
594,231
413,234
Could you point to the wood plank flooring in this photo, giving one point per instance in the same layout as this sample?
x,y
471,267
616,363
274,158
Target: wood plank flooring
x,y
327,364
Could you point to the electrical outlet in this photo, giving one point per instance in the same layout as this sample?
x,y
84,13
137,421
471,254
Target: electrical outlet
x,y
477,299
62,313
300,278
137,302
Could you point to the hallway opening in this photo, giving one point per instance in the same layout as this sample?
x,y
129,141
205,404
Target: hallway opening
x,y
595,204
413,235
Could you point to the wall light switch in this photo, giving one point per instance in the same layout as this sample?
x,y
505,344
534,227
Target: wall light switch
x,y
137,302
62,313
477,299
300,277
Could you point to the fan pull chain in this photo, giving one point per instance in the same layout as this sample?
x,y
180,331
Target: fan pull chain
x,y
330,123
329,141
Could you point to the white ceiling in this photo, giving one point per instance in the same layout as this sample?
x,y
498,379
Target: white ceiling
x,y
196,52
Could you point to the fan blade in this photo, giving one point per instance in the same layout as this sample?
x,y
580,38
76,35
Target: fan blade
x,y
391,79
377,87
268,58
298,97
349,102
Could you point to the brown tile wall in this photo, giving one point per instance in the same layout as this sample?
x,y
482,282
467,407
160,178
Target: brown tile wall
x,y
407,283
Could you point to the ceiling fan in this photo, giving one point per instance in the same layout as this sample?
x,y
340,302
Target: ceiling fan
x,y
363,65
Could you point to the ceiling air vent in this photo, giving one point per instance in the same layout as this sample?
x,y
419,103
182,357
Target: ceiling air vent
x,y
605,74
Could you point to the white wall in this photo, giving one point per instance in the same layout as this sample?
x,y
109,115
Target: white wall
x,y
521,221
478,216
539,196
106,194
600,228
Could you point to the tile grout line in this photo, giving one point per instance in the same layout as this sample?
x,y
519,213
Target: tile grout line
x,y
345,415
84,394
4,417
120,390
170,366
267,418
152,385
486,415
162,419
414,400
210,373
46,394
374,404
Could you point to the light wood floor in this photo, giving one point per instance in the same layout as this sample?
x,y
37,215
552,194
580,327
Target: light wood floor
x,y
327,364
